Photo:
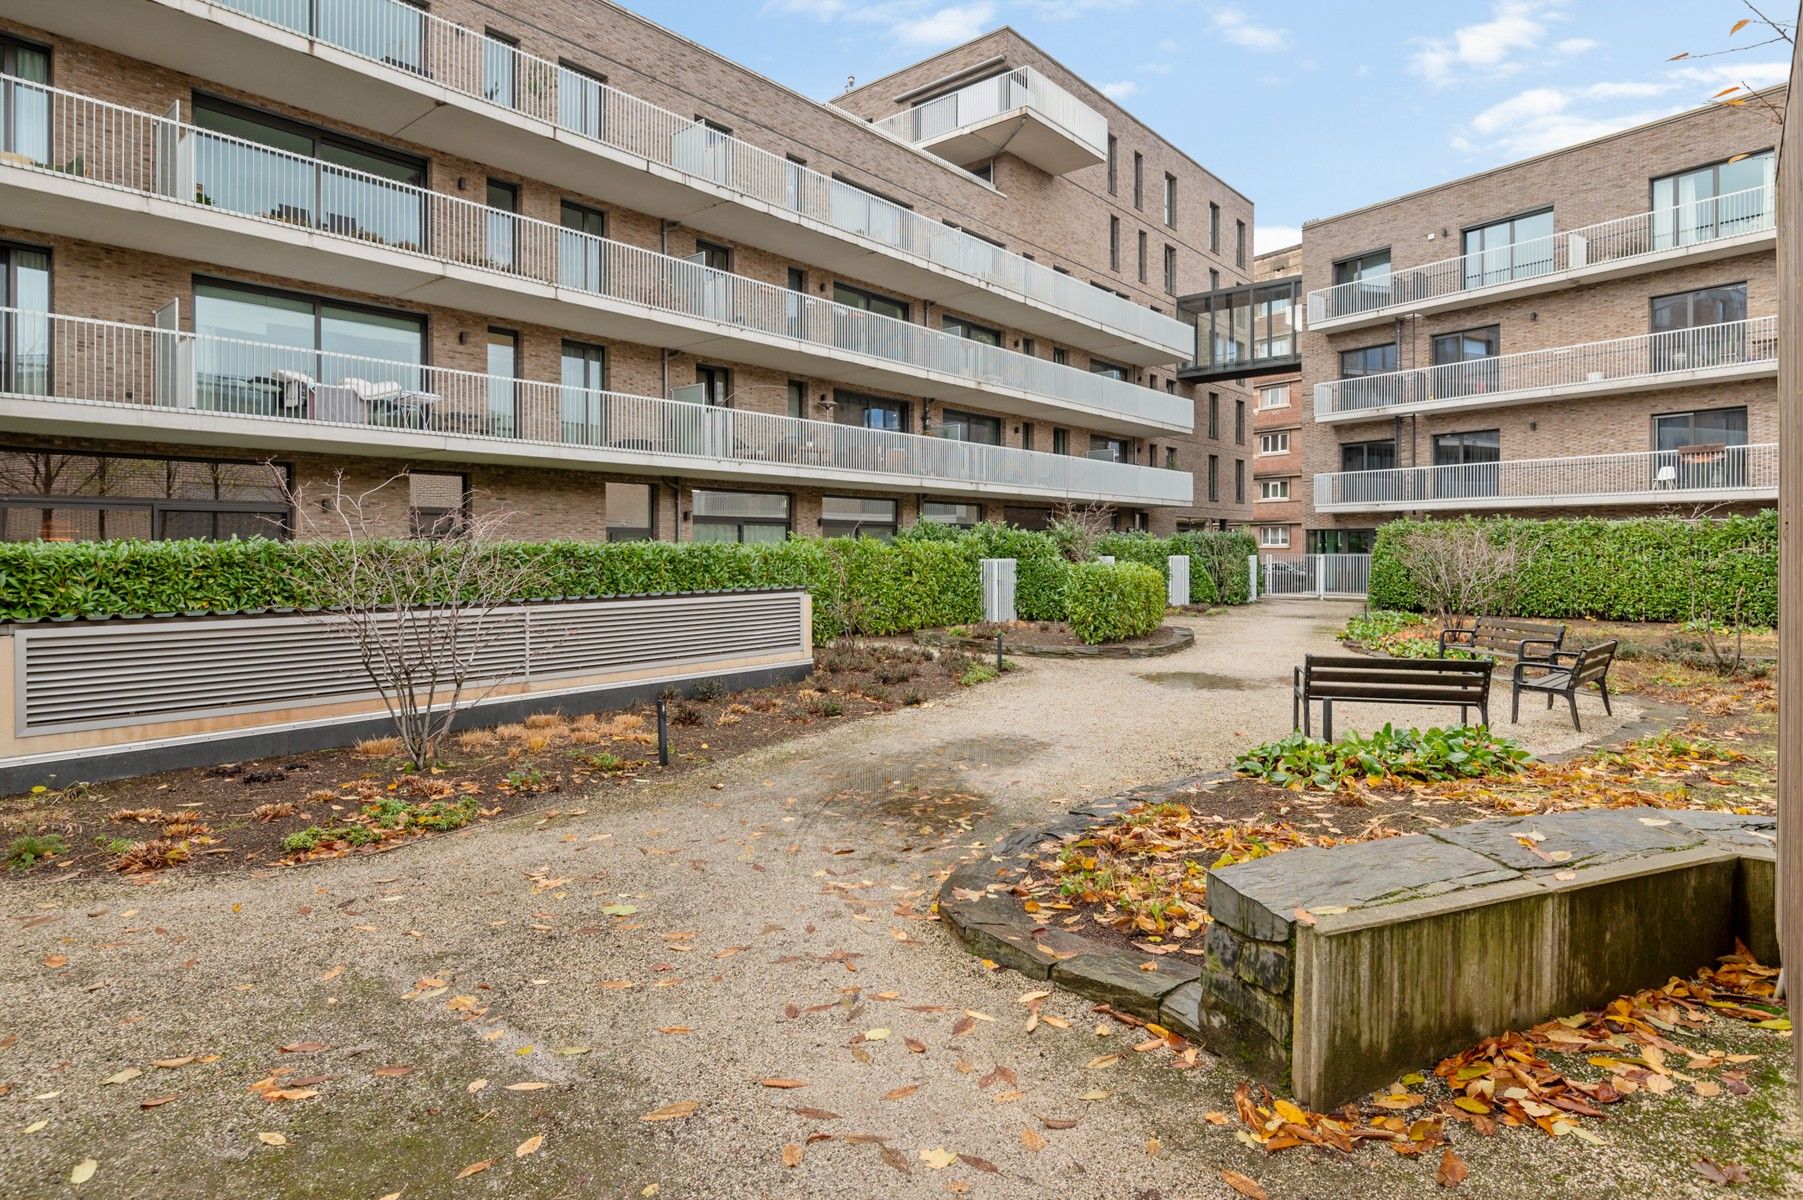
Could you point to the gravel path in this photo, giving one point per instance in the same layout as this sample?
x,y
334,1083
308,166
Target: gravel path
x,y
765,919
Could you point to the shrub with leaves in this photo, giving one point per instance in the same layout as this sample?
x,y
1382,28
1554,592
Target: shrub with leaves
x,y
1462,752
1114,602
30,849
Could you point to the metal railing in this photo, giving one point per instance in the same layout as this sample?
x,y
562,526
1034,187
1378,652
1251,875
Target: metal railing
x,y
1022,87
1752,342
1710,472
1314,575
100,142
400,36
81,360
1694,223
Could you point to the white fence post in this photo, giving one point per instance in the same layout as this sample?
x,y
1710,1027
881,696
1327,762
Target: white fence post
x,y
1252,577
1105,558
1177,590
998,589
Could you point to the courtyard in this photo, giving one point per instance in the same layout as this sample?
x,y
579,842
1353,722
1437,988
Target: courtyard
x,y
732,982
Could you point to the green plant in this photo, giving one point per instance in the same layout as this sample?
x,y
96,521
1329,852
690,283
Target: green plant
x,y
827,706
710,689
303,841
1371,628
112,845
605,762
1462,752
525,779
1113,602
1641,569
27,850
913,698
978,673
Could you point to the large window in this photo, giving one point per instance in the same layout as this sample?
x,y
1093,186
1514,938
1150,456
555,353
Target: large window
x,y
971,331
970,427
1374,456
1515,248
503,224
582,407
1273,443
503,382
1273,489
580,263
741,516
1274,537
1368,360
1361,282
858,516
307,357
1704,427
871,412
1699,449
1340,541
499,55
956,513
1685,318
1705,306
1098,367
883,306
1275,396
630,513
1471,458
1466,361
336,183
1716,201
52,496
581,100
1373,367
24,335
24,110
1108,449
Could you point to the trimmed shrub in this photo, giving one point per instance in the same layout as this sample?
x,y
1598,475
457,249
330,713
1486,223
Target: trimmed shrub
x,y
1217,560
1640,569
1110,603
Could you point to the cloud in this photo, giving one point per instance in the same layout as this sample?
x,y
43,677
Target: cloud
x,y
1274,237
944,27
1485,49
1575,45
913,23
1754,75
1548,118
1067,10
1241,30
1119,90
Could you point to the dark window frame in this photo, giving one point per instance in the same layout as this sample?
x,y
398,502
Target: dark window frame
x,y
157,508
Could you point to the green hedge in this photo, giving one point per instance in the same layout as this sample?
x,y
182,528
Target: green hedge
x,y
1110,602
1642,569
1215,559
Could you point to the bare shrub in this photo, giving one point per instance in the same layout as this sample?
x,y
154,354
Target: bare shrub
x,y
1458,570
1077,529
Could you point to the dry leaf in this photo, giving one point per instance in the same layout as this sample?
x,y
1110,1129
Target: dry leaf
x,y
1452,1170
125,1076
476,1168
1244,1185
272,1139
783,1083
792,1155
531,1086
84,1171
672,1112
476,1085
902,1093
938,1159
529,1146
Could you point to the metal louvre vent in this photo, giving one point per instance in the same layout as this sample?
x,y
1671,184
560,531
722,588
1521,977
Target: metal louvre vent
x,y
94,676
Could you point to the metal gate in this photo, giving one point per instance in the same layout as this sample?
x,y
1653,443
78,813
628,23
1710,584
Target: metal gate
x,y
1315,576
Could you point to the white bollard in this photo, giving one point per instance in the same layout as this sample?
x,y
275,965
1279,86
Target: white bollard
x,y
1177,589
1251,577
1105,558
998,589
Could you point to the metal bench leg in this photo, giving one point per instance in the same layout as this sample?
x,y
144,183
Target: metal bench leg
x,y
1515,706
1572,697
1550,697
1604,688
1464,714
1295,710
1483,711
1327,720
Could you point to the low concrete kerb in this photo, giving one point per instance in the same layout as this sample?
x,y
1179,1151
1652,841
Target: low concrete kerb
x,y
1166,639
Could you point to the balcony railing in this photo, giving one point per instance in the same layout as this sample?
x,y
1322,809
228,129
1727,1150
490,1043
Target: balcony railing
x,y
1695,223
1482,381
1022,87
102,363
1695,474
104,143
404,37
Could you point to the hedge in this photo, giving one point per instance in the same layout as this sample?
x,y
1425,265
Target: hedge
x,y
928,577
1211,554
1641,569
1110,602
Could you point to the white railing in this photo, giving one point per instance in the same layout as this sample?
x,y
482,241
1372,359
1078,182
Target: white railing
x,y
1022,87
1693,474
1695,223
400,36
80,360
73,135
1476,382
1314,575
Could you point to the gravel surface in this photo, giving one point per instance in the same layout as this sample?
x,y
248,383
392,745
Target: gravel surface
x,y
760,920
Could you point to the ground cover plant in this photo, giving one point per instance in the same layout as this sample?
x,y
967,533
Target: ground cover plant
x,y
1386,756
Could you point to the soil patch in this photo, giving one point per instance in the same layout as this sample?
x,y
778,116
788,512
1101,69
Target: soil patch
x,y
366,799
1054,639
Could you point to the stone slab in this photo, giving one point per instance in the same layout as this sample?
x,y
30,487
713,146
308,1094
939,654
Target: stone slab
x,y
1118,981
1180,1010
1587,838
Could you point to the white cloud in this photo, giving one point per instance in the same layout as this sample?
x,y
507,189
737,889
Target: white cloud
x,y
1274,237
944,27
1066,10
1547,118
1575,45
1241,30
1485,49
1754,75
1119,90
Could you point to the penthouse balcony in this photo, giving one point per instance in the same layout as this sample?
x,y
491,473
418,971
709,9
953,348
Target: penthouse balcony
x,y
1675,478
1648,362
1696,231
72,376
392,67
1018,112
103,172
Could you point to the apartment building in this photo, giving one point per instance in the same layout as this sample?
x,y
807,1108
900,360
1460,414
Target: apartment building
x,y
1589,332
1278,429
560,261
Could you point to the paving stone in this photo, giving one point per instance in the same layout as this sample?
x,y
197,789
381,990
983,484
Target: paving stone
x,y
1020,949
1259,898
1115,979
1727,829
1590,838
1180,1010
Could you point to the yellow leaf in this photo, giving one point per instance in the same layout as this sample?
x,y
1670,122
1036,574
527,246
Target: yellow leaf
x,y
532,1086
1032,1140
1472,1104
783,1083
875,1035
1104,1060
272,1139
1739,25
529,1146
1290,1112
476,1168
84,1171
125,1076
938,1159
672,1112
792,1155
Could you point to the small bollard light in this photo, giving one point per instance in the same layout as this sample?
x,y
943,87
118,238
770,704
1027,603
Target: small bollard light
x,y
663,733
998,653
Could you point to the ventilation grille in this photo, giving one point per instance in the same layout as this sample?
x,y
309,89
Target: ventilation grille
x,y
101,675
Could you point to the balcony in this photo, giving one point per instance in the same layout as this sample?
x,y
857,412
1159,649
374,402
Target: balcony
x,y
1651,361
128,178
72,376
391,67
1719,227
1244,330
1671,478
1018,112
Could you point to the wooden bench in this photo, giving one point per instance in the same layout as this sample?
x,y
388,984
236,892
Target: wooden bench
x,y
1360,680
1504,635
1563,673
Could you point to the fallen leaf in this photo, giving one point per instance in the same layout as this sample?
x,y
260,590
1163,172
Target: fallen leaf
x,y
938,1159
792,1155
392,1071
476,1168
875,1035
1033,1140
673,1112
125,1076
1104,1060
53,961
84,1171
783,1083
902,1093
817,1114
1452,1170
1244,1185
530,1086
476,1085
272,1139
529,1146
302,1047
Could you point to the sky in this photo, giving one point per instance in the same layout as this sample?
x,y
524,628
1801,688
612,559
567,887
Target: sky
x,y
1311,107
